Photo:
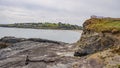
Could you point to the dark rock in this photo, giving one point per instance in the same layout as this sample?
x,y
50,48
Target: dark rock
x,y
43,40
11,40
94,43
80,54
4,45
34,54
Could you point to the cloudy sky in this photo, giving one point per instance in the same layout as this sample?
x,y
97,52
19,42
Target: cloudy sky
x,y
66,11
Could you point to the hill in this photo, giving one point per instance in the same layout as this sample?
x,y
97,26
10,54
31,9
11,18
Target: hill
x,y
45,25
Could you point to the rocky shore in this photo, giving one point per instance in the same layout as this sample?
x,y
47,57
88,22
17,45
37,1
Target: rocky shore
x,y
40,53
97,48
36,53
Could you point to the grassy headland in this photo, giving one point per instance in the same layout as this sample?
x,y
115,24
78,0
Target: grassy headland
x,y
104,24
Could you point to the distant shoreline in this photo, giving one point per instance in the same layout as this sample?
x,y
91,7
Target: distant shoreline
x,y
58,26
45,29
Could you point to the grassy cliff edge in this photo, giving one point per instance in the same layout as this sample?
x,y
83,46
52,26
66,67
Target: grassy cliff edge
x,y
103,24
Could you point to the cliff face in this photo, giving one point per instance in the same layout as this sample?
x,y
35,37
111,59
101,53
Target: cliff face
x,y
100,41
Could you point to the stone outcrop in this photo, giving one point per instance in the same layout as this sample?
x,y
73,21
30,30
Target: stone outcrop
x,y
36,53
12,40
94,42
102,48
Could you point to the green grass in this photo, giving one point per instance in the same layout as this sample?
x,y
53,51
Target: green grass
x,y
104,24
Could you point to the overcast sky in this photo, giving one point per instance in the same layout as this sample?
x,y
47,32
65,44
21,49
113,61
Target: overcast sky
x,y
66,11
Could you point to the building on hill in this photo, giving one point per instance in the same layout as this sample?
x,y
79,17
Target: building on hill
x,y
94,16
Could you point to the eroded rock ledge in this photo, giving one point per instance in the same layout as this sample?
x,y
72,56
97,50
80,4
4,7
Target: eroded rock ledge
x,y
100,41
36,53
12,40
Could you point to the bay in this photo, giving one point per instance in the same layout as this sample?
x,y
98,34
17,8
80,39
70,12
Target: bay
x,y
68,36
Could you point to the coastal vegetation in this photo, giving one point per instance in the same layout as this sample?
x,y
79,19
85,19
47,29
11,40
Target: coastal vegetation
x,y
45,25
104,24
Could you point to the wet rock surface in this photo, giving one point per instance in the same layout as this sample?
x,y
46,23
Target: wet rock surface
x,y
36,54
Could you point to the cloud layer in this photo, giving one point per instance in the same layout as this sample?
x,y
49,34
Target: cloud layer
x,y
66,11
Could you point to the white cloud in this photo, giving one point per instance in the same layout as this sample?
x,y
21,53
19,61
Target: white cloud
x,y
67,11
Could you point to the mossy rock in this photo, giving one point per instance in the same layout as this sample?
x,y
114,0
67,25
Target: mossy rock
x,y
3,45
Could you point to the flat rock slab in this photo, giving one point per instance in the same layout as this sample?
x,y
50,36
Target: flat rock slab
x,y
36,54
30,54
